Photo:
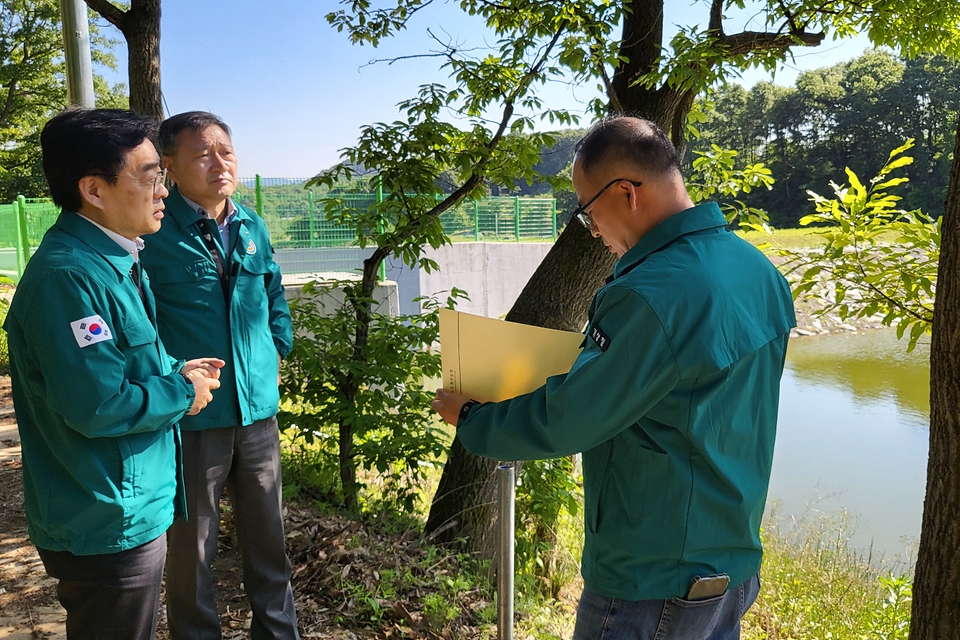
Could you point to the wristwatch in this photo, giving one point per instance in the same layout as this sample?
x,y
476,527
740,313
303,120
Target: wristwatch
x,y
465,409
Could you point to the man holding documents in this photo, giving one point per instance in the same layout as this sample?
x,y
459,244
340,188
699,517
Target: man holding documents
x,y
672,400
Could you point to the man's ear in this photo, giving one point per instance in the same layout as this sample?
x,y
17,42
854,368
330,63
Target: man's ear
x,y
633,195
167,163
91,191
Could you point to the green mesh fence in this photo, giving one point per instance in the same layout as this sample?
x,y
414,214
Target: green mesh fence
x,y
40,216
9,243
306,242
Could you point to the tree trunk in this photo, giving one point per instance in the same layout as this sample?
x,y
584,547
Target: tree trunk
x,y
140,26
143,56
936,587
558,294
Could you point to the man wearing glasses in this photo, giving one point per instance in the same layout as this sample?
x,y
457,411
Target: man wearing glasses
x,y
97,397
673,400
219,291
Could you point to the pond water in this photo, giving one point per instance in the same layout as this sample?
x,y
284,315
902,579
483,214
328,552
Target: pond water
x,y
853,436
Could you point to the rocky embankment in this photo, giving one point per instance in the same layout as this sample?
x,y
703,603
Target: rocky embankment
x,y
809,308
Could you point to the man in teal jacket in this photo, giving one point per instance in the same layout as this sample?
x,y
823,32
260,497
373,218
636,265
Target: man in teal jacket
x,y
219,291
97,397
672,400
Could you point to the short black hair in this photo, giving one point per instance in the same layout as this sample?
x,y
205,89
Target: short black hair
x,y
82,142
628,140
192,120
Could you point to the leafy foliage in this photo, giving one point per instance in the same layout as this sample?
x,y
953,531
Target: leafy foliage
x,y
391,428
877,259
845,115
547,491
714,174
33,88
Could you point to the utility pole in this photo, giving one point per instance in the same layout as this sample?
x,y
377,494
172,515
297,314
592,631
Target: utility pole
x,y
76,46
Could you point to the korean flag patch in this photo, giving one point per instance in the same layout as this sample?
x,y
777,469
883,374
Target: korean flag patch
x,y
90,330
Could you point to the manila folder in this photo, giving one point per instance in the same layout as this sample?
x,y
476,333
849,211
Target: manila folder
x,y
492,360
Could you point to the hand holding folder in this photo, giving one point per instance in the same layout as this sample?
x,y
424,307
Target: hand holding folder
x,y
491,360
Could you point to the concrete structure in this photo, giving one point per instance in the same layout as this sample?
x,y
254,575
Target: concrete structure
x,y
492,273
385,295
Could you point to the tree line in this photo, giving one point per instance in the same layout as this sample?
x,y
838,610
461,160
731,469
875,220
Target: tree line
x,y
850,114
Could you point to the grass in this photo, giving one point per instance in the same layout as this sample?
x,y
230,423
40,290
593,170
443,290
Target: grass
x,y
815,586
787,238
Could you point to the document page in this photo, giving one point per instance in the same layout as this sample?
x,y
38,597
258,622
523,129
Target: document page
x,y
492,360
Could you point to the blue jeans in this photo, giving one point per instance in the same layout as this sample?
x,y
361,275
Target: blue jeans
x,y
602,618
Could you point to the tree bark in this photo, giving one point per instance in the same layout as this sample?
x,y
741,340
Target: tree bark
x,y
140,26
936,586
143,57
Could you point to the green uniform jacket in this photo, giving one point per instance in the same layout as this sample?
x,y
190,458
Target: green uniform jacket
x,y
673,402
196,321
97,398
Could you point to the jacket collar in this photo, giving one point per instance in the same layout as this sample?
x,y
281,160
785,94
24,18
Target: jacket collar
x,y
88,233
699,218
183,213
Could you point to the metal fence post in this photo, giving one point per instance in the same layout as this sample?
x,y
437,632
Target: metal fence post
x,y
383,265
516,217
23,231
553,219
310,217
476,221
505,572
19,245
258,195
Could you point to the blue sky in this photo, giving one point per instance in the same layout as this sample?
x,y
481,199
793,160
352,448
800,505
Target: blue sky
x,y
295,91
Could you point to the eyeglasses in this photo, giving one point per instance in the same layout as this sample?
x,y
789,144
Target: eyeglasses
x,y
154,182
581,211
159,180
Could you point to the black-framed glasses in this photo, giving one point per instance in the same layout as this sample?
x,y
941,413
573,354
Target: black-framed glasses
x,y
581,212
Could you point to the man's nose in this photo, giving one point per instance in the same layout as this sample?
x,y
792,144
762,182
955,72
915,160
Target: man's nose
x,y
218,162
593,231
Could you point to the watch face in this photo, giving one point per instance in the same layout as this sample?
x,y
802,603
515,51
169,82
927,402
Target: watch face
x,y
465,409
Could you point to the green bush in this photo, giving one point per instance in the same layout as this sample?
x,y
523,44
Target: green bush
x,y
392,433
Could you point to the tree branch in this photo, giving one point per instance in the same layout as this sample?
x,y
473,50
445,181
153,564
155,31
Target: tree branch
x,y
110,12
716,17
381,252
749,41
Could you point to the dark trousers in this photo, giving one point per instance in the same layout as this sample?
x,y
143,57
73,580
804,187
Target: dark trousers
x,y
113,596
245,461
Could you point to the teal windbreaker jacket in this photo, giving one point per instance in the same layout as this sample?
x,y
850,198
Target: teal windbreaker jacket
x,y
196,320
96,396
673,402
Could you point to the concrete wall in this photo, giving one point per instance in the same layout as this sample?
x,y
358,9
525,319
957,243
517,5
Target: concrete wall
x,y
385,294
492,273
